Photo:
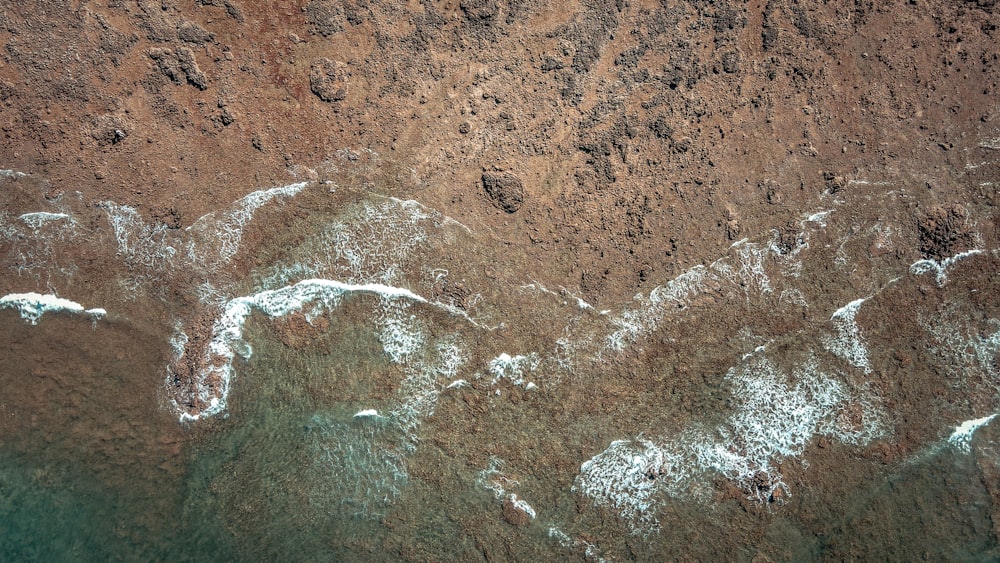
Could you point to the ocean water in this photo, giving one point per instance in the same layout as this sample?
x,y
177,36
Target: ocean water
x,y
91,466
319,373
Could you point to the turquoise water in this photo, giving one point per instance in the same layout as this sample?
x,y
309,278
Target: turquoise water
x,y
91,468
268,482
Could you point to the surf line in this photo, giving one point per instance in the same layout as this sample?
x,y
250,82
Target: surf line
x,y
206,395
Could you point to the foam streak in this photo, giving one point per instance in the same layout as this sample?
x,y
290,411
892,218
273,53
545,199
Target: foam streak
x,y
32,306
211,386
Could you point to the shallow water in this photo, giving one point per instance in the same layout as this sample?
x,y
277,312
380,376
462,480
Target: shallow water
x,y
413,404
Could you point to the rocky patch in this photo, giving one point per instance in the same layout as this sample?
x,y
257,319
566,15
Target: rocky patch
x,y
179,66
328,80
504,191
944,232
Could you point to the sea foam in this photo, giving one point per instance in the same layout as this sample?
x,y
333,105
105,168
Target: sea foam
x,y
940,267
777,414
38,219
961,438
365,463
216,237
514,369
31,306
648,312
848,343
212,383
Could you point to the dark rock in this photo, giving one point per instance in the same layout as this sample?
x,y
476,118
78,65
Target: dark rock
x,y
169,217
325,16
834,182
179,66
328,80
772,191
944,232
661,129
110,130
807,23
504,191
6,90
233,9
586,55
514,515
113,42
731,62
159,27
193,33
985,5
480,10
630,57
726,19
550,64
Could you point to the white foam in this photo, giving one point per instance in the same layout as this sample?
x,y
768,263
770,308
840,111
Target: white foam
x,y
368,463
617,477
210,295
421,387
793,296
400,335
562,295
35,238
39,218
868,183
961,438
7,230
225,232
752,274
152,251
561,537
493,479
178,341
590,551
776,416
521,505
745,269
31,306
848,343
940,268
993,144
445,220
641,320
514,368
451,358
147,249
227,332
968,349
212,384
419,393
757,350
819,217
369,243
360,466
365,462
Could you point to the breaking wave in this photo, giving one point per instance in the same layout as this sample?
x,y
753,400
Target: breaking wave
x,y
411,278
